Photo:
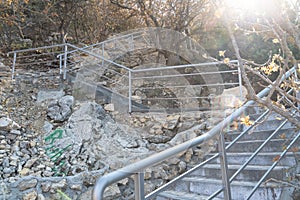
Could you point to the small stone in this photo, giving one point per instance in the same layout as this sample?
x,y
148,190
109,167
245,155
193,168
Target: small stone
x,y
30,162
49,95
4,123
14,125
24,172
30,196
47,127
171,122
32,143
15,132
59,185
24,185
7,170
76,187
143,119
46,186
109,107
41,197
66,100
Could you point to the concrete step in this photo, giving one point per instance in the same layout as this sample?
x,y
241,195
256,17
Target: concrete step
x,y
259,134
261,159
272,122
250,173
239,189
175,195
274,145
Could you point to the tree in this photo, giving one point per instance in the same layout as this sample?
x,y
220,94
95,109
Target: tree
x,y
184,16
277,23
46,22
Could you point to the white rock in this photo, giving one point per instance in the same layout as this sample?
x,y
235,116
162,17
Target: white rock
x,y
109,107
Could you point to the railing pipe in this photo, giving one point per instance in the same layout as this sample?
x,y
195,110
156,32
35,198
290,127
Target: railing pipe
x,y
34,49
139,186
102,46
60,65
224,167
250,158
182,66
99,57
155,192
130,92
118,175
65,61
240,82
124,172
13,66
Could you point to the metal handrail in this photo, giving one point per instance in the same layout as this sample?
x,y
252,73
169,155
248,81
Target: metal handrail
x,y
251,157
167,185
273,165
16,52
104,42
139,166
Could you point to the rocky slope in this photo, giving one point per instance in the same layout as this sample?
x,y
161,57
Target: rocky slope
x,y
50,143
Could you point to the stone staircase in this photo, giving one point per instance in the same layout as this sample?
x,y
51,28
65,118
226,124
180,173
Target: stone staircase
x,y
203,182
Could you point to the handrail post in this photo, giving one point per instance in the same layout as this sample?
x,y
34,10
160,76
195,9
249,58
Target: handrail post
x,y
224,167
240,82
65,61
102,46
131,43
60,65
129,91
13,66
139,186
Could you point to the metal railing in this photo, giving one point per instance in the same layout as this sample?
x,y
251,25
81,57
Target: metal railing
x,y
137,168
181,87
171,88
39,58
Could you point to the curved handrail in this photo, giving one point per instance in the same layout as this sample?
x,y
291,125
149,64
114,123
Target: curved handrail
x,y
137,167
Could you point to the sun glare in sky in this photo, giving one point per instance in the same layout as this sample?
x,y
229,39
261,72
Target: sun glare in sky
x,y
250,5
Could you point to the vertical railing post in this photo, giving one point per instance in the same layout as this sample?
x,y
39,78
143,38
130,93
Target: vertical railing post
x,y
139,186
240,81
129,91
131,43
65,61
224,167
60,64
13,66
102,45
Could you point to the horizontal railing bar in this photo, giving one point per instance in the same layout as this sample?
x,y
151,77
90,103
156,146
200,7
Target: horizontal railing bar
x,y
182,66
183,86
180,75
34,63
100,43
37,48
174,98
39,55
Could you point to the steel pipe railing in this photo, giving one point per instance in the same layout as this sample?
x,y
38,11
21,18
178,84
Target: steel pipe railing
x,y
139,166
